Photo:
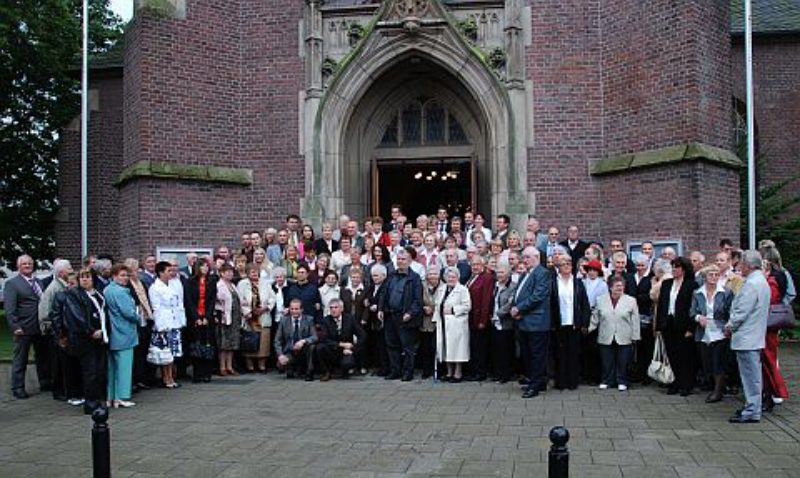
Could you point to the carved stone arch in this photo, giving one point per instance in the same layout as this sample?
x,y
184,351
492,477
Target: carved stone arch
x,y
388,43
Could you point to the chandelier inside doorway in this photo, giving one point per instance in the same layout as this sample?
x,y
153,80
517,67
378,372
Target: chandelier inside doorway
x,y
435,174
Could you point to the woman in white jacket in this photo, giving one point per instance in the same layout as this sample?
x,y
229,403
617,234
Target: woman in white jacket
x,y
257,300
165,342
451,317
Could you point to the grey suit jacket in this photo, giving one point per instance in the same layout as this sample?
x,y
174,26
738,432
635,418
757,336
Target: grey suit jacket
x,y
504,301
283,336
749,310
22,305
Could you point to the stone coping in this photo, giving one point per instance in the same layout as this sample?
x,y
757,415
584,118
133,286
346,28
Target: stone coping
x,y
663,156
187,172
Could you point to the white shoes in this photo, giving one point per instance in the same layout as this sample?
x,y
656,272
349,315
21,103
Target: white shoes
x,y
622,388
76,402
777,400
603,386
124,404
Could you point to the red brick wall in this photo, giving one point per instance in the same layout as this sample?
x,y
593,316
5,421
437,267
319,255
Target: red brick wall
x,y
564,66
776,70
105,164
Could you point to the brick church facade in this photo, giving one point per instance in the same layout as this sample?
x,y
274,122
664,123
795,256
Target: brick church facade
x,y
216,117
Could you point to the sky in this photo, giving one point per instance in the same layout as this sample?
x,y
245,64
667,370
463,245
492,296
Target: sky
x,y
123,8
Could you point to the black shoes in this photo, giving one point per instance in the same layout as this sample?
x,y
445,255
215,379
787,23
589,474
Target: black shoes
x,y
408,377
310,377
392,376
740,419
530,393
20,394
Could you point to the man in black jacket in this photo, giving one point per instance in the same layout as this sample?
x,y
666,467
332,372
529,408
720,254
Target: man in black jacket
x,y
642,285
340,337
575,246
402,312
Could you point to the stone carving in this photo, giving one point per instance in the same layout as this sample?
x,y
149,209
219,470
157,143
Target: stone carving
x,y
411,8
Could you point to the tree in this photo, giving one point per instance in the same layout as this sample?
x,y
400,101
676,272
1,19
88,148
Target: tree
x,y
40,45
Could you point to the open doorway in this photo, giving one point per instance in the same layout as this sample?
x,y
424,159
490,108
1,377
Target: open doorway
x,y
421,186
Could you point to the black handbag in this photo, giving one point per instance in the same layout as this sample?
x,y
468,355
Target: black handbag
x,y
202,349
781,316
250,341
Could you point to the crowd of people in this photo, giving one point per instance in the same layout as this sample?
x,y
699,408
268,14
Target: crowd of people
x,y
446,296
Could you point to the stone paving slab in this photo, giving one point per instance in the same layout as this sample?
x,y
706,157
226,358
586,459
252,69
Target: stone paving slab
x,y
367,427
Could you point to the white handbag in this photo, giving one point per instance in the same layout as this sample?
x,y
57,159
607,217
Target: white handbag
x,y
659,369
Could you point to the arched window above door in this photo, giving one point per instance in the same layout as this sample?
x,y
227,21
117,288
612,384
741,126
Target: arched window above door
x,y
423,122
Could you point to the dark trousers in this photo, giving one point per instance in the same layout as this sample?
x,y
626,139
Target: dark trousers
x,y
65,372
479,351
502,353
590,359
22,347
331,357
644,352
202,369
378,355
536,345
93,374
143,371
427,352
402,343
568,357
615,359
681,353
301,362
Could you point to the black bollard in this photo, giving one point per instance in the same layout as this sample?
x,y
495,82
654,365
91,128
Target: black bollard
x,y
101,444
558,459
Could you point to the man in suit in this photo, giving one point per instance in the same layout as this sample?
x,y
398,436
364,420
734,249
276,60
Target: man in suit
x,y
326,244
442,226
58,358
451,260
22,295
501,224
531,310
575,246
402,313
294,342
102,274
148,273
538,239
340,337
277,251
191,262
747,328
616,245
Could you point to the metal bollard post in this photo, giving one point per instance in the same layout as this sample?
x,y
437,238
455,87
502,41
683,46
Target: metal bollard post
x,y
101,444
558,457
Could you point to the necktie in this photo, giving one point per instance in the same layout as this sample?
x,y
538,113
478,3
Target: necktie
x,y
36,288
296,334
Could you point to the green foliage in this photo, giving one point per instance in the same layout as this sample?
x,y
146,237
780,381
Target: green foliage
x,y
469,28
40,44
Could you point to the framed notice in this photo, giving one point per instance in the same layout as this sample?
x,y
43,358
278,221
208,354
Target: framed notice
x,y
635,247
179,253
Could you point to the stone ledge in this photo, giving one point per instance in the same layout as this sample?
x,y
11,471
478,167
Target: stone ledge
x,y
662,156
187,172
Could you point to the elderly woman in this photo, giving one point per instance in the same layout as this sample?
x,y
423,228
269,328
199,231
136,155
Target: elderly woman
x,y
380,255
595,287
481,289
257,303
316,273
341,257
377,354
711,309
570,312
240,268
451,316
330,290
775,390
503,324
227,319
677,326
428,254
616,318
292,261
123,337
427,331
167,309
355,265
141,375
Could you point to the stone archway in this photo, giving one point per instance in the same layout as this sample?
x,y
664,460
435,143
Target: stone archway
x,y
392,40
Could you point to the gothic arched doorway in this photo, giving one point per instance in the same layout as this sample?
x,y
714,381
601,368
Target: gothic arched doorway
x,y
416,138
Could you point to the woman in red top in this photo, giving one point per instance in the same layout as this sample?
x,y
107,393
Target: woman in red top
x,y
775,390
202,294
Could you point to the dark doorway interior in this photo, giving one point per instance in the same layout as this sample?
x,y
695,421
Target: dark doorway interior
x,y
420,188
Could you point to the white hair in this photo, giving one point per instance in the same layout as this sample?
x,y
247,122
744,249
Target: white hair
x,y
752,258
102,264
379,269
452,271
641,259
22,258
60,265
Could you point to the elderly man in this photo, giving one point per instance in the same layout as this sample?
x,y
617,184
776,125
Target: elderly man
x,y
531,310
576,247
402,314
58,357
340,337
102,274
539,238
698,261
191,262
747,328
22,295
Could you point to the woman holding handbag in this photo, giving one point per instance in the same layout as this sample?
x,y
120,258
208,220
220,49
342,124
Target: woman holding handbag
x,y
202,292
227,320
775,390
257,303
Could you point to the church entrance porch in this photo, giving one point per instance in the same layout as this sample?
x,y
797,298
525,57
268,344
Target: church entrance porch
x,y
423,185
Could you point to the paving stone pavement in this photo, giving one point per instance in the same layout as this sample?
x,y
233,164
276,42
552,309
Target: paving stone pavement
x,y
265,426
